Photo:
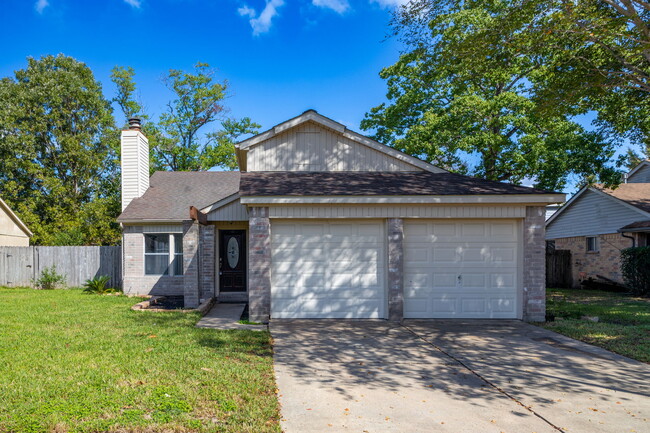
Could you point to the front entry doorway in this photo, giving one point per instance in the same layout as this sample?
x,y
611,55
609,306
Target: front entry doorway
x,y
232,260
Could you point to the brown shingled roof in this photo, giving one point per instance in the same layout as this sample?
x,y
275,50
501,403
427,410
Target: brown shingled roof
x,y
171,194
636,194
372,184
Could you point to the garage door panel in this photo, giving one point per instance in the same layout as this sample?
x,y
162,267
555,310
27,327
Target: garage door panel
x,y
462,269
337,268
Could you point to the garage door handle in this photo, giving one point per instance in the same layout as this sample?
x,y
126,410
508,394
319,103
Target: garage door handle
x,y
459,281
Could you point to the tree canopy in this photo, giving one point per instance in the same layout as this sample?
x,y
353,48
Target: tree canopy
x,y
176,139
500,83
58,150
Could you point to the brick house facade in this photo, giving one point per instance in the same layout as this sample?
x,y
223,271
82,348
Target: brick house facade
x,y
321,222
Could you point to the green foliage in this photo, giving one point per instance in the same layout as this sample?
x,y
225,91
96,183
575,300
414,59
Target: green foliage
x,y
467,87
635,267
176,140
58,147
50,279
99,286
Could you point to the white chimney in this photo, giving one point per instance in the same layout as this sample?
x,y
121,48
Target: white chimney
x,y
135,162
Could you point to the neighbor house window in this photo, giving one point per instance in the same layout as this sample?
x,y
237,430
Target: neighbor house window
x,y
592,244
163,254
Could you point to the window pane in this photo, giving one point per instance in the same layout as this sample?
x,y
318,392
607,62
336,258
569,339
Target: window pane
x,y
156,265
178,264
178,243
156,243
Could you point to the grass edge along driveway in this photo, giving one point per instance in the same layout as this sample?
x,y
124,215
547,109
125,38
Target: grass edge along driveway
x,y
86,363
623,321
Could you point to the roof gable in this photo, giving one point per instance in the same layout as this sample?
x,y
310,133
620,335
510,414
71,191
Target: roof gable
x,y
312,142
640,173
594,210
10,213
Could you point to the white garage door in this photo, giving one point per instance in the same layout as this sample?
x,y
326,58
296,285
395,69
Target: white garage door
x,y
460,269
327,269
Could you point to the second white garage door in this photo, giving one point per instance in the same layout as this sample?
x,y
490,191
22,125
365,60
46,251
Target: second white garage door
x,y
327,269
465,269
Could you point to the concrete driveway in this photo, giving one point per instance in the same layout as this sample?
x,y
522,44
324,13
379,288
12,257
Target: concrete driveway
x,y
452,376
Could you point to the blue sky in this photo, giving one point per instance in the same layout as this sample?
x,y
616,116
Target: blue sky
x,y
280,57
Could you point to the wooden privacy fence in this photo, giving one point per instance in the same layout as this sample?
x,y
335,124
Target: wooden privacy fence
x,y
19,266
558,269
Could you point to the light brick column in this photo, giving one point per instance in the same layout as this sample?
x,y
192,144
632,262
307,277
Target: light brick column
x,y
395,269
191,264
207,262
534,265
259,264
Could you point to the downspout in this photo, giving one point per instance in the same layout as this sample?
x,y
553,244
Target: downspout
x,y
629,237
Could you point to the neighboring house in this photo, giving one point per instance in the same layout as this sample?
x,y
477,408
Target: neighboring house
x,y
597,223
13,232
322,222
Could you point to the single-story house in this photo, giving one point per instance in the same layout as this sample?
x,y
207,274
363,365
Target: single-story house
x,y
13,232
598,222
323,222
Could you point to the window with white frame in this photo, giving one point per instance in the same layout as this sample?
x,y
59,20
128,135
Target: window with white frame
x,y
592,244
163,254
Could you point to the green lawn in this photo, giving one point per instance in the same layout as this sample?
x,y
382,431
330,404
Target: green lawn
x,y
87,363
624,321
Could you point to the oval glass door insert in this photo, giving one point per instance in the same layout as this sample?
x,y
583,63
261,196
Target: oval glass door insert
x,y
233,252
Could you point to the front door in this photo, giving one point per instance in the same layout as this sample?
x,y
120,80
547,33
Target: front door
x,y
232,260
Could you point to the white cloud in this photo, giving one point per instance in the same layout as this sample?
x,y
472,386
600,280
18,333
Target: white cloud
x,y
261,23
390,3
134,3
40,5
245,11
339,6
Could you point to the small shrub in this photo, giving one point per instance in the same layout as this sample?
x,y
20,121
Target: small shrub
x,y
635,266
98,285
50,279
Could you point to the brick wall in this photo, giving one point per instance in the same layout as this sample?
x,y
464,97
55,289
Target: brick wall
x,y
134,281
207,262
259,264
534,296
605,262
191,263
395,269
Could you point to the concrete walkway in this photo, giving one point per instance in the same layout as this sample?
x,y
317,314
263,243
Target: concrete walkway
x,y
227,316
452,376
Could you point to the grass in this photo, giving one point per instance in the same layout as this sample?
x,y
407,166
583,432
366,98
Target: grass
x,y
73,362
623,326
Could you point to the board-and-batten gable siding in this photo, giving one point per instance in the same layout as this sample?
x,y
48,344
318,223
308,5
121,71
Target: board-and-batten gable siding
x,y
309,147
396,211
592,214
642,175
234,211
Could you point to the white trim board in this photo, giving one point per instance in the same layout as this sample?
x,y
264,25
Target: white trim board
x,y
532,199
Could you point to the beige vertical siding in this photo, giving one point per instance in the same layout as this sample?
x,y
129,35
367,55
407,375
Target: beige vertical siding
x,y
234,211
310,147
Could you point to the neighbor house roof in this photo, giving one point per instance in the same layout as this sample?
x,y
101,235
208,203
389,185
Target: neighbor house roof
x,y
639,226
171,194
635,194
372,184
15,218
